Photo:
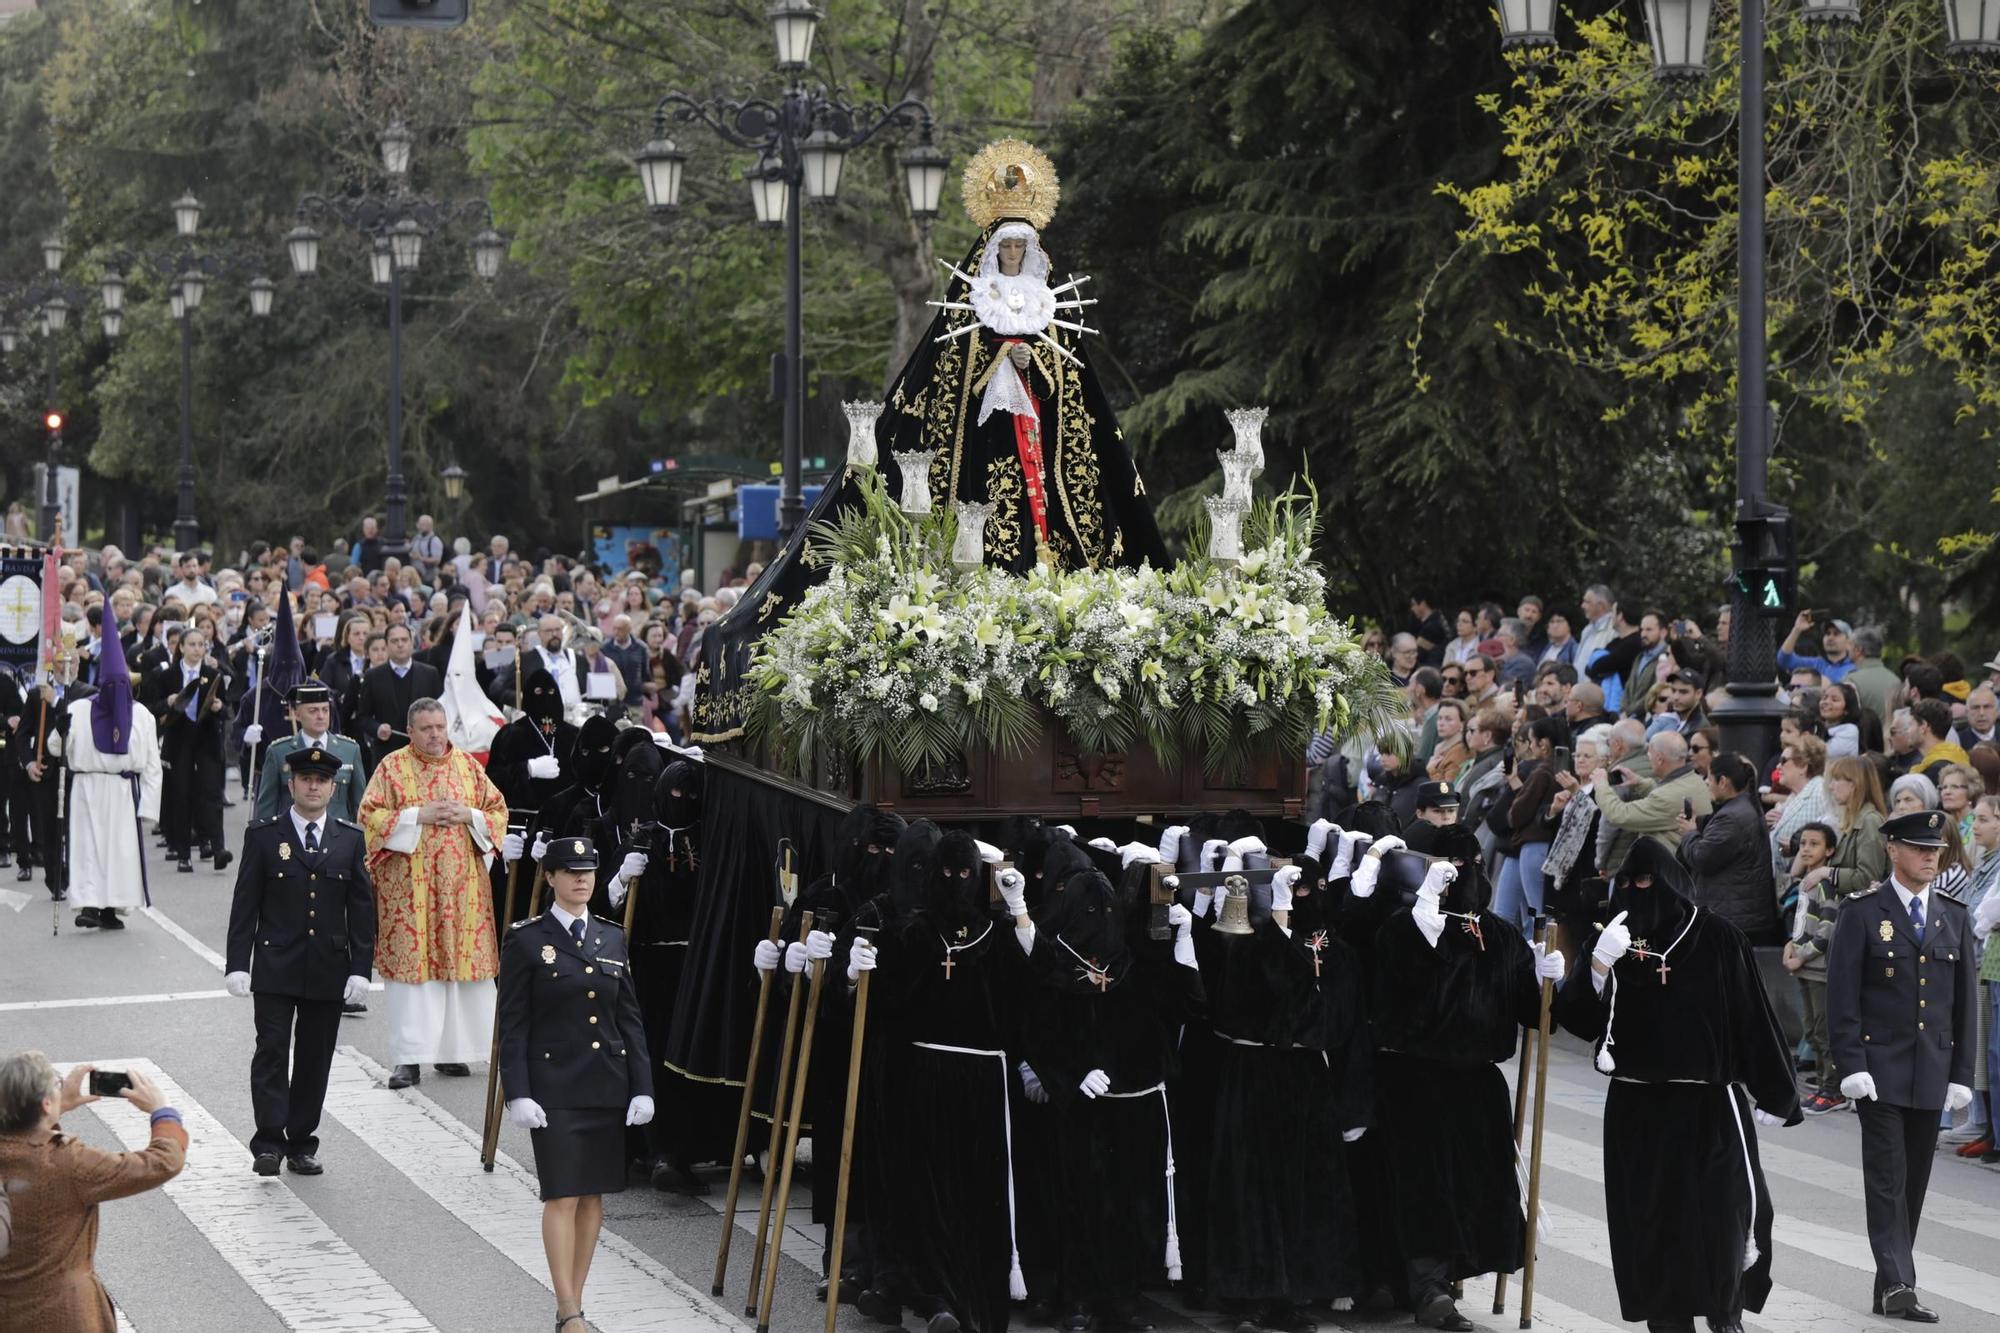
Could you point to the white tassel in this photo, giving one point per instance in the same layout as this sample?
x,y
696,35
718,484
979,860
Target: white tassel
x,y
1017,1283
1605,1064
1751,1254
1173,1253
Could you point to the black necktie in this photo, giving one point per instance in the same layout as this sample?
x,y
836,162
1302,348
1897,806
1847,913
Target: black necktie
x,y
576,931
312,837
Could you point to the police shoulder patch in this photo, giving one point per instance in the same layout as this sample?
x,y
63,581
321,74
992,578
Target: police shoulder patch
x,y
348,822
528,921
1863,893
266,823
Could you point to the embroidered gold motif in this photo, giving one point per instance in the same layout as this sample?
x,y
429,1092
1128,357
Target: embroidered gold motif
x,y
1004,527
770,606
284,851
1887,931
548,953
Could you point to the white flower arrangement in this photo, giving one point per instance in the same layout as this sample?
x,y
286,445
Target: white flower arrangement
x,y
896,653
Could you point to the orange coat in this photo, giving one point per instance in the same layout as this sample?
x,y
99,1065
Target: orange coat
x,y
47,1280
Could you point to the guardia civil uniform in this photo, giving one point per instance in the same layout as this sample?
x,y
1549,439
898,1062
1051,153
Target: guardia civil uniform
x,y
272,799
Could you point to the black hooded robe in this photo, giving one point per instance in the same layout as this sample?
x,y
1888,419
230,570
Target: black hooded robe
x,y
943,1193
1293,1076
1685,1199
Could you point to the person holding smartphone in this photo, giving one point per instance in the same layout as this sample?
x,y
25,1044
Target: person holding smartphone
x,y
56,1181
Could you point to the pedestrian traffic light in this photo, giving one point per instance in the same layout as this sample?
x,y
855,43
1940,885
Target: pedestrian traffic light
x,y
417,13
1767,563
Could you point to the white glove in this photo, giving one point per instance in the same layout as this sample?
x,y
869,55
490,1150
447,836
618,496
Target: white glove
x,y
616,889
237,984
1612,941
540,848
1170,843
1765,1119
860,958
1241,850
1550,966
1316,837
545,766
1430,920
1069,829
819,945
633,866
1137,851
767,955
527,1113
1013,891
989,853
1210,852
1381,847
1281,887
253,734
1957,1096
1350,1135
1095,1084
356,990
1860,1087
510,848
795,957
639,1111
1103,844
1441,875
1343,857
1033,1086
1182,922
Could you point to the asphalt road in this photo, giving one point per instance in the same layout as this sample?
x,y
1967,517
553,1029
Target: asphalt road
x,y
404,1231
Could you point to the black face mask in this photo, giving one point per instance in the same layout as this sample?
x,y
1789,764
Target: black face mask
x,y
955,895
911,865
541,699
1654,893
677,795
593,751
1084,914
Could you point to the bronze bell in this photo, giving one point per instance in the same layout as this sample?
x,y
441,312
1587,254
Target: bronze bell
x,y
1235,916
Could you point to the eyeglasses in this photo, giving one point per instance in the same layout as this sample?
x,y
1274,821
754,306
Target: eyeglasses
x,y
1477,671
1700,749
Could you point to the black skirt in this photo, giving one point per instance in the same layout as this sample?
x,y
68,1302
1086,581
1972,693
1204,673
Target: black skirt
x,y
581,1152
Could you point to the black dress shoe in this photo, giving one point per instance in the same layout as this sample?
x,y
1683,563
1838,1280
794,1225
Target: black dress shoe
x,y
1438,1312
456,1071
223,858
266,1164
881,1307
305,1164
184,866
1900,1302
24,873
110,920
944,1321
346,1008
406,1076
1731,1326
1076,1321
90,920
670,1177
59,894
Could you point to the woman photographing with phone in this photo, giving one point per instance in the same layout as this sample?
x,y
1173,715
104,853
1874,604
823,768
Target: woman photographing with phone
x,y
55,1182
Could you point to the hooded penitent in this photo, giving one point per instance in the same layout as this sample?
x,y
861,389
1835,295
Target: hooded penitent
x,y
541,699
111,706
955,891
1083,920
593,751
1654,891
677,795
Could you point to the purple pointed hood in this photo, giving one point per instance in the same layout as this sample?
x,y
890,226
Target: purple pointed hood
x,y
111,706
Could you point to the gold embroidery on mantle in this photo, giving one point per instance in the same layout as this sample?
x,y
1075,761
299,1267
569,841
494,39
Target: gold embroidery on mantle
x,y
1003,529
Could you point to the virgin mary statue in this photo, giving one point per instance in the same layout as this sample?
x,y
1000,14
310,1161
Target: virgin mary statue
x,y
1001,396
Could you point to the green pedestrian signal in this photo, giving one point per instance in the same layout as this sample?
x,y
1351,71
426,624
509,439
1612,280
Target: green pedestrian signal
x,y
1773,599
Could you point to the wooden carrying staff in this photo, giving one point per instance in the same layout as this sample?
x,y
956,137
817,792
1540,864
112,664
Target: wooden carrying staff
x,y
782,1089
489,1143
792,1147
1520,1129
847,1145
743,1116
1551,935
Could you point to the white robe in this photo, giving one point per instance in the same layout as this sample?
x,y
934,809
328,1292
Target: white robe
x,y
106,846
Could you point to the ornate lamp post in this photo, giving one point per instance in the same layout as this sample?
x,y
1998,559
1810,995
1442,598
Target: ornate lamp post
x,y
45,304
395,224
801,140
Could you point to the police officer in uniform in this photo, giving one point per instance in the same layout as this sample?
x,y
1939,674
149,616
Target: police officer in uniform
x,y
1900,991
572,1061
305,908
312,729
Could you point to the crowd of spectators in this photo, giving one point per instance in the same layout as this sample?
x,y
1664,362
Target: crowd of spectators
x,y
1563,734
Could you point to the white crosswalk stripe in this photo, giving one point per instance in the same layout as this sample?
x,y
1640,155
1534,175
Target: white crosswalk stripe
x,y
628,1292
294,1262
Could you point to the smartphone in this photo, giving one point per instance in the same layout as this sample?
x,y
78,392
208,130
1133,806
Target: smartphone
x,y
1562,760
1687,808
108,1082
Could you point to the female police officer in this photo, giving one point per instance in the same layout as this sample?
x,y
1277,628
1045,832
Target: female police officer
x,y
573,1062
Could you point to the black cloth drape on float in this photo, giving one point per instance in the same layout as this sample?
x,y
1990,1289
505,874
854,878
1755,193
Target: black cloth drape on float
x,y
742,821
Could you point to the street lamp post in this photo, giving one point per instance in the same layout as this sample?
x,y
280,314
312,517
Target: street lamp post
x,y
46,304
187,275
801,141
395,224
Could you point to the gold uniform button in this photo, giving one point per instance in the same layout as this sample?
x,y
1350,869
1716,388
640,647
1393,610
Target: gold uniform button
x,y
312,876
545,1055
593,1018
591,995
593,1045
1923,981
312,932
310,915
1923,1004
589,969
1920,1027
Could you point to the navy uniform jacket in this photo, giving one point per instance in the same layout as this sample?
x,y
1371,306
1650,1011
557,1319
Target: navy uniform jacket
x,y
1901,1011
570,1031
310,919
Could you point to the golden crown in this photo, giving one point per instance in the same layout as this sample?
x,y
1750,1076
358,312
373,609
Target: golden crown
x,y
1010,178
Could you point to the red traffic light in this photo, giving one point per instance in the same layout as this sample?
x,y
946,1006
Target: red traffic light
x,y
53,421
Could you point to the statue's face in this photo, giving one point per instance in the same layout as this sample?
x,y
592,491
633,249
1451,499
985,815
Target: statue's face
x,y
1010,254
